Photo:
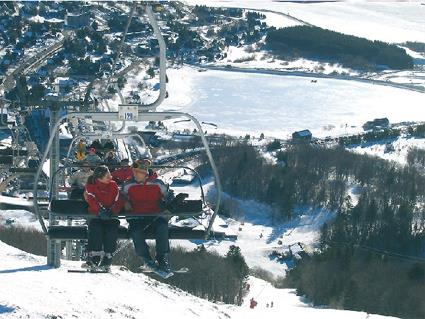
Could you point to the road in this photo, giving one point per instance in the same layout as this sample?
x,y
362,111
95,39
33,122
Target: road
x,y
30,64
310,75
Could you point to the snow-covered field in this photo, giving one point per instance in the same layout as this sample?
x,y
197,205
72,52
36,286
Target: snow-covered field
x,y
399,154
248,103
30,289
389,21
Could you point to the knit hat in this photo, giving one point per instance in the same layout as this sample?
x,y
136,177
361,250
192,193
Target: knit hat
x,y
142,164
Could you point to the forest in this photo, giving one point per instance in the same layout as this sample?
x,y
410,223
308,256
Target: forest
x,y
354,52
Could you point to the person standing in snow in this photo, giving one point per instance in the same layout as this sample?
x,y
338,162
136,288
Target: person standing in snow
x,y
252,303
146,194
103,196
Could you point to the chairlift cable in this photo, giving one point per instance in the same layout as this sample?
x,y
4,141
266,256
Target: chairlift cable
x,y
383,252
133,7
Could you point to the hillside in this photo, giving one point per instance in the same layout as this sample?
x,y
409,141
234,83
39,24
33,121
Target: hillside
x,y
30,289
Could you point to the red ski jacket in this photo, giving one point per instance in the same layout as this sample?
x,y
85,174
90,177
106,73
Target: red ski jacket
x,y
145,197
122,175
99,195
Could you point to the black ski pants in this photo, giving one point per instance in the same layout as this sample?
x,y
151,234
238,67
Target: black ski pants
x,y
103,235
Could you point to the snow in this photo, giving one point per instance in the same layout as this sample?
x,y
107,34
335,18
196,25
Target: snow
x,y
250,103
30,289
18,201
37,18
393,21
401,145
279,21
20,217
239,103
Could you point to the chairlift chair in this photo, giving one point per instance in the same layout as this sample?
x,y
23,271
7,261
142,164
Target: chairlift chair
x,y
139,113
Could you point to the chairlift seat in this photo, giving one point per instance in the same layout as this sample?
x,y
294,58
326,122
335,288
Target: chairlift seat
x,y
78,208
10,151
6,159
25,170
58,232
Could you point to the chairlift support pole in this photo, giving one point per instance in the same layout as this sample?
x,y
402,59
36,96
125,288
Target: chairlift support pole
x,y
53,246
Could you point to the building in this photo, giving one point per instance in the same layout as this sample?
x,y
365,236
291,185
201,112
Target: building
x,y
303,136
376,124
77,20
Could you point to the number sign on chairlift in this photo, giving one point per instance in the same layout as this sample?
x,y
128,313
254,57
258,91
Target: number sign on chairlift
x,y
128,112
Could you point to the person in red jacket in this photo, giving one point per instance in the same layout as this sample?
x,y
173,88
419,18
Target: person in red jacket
x,y
124,173
147,195
103,197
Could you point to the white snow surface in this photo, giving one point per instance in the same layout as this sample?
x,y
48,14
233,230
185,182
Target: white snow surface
x,y
389,21
401,145
22,218
250,103
30,289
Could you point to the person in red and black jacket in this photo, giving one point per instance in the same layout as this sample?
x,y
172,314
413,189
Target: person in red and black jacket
x,y
103,196
147,195
124,173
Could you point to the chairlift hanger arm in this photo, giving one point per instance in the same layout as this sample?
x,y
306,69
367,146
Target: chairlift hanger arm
x,y
143,116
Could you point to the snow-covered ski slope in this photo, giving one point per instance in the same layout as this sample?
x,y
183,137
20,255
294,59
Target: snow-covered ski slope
x,y
389,21
30,289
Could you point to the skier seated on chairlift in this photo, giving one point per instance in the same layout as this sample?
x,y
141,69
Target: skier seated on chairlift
x,y
146,194
92,158
81,150
103,196
78,181
124,173
108,146
111,160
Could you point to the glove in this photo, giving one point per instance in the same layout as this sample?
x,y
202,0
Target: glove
x,y
105,213
180,198
177,201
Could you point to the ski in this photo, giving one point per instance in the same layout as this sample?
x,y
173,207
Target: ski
x,y
165,274
92,271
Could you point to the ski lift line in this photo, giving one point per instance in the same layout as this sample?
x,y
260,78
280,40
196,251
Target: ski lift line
x,y
261,291
114,116
120,96
133,7
209,123
179,121
383,252
162,63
